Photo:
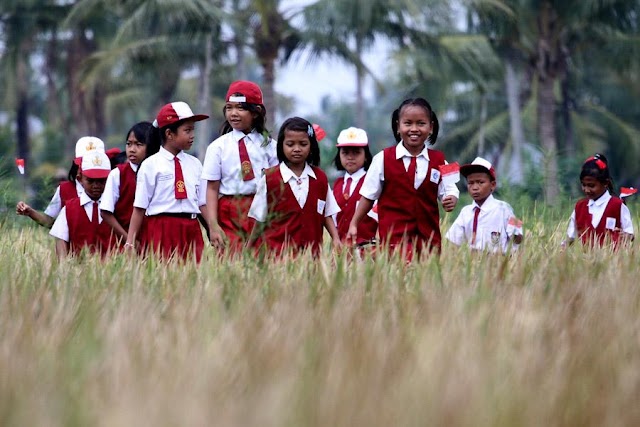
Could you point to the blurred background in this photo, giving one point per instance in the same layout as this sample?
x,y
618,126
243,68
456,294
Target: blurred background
x,y
533,86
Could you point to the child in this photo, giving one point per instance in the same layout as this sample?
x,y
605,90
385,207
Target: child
x,y
406,182
488,223
354,158
600,218
79,224
294,200
168,188
117,200
67,190
234,163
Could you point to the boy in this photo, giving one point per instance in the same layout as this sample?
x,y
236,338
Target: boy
x,y
79,224
488,223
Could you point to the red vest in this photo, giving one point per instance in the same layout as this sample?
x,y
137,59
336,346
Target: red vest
x,y
68,191
404,213
288,225
600,234
367,227
124,205
83,234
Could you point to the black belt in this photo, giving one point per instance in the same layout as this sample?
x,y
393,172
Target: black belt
x,y
178,215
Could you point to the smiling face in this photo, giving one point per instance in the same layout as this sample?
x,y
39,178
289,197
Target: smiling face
x,y
238,117
480,186
296,148
352,158
135,150
592,187
414,127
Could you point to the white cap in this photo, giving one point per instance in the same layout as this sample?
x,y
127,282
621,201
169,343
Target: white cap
x,y
478,165
96,164
352,137
87,144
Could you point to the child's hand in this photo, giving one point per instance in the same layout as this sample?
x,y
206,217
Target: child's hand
x,y
449,203
23,209
217,238
337,245
352,234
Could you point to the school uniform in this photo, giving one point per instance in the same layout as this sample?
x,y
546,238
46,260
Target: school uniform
x,y
493,230
119,193
171,226
80,224
293,208
223,163
66,191
407,191
346,191
597,222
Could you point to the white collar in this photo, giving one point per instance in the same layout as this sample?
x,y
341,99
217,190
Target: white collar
x,y
237,135
84,199
401,151
134,167
167,155
287,173
356,175
602,200
487,205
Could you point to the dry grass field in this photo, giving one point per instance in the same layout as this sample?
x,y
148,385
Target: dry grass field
x,y
544,338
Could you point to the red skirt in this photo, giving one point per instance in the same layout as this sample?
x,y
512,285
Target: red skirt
x,y
234,220
172,235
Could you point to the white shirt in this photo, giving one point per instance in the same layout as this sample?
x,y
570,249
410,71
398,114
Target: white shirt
x,y
299,186
60,228
111,193
596,209
222,162
374,181
493,233
55,205
155,184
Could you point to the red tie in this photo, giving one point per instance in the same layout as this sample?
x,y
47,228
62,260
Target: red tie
x,y
475,224
94,218
412,170
180,189
245,162
347,188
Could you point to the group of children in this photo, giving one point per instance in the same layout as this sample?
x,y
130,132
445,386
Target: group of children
x,y
259,193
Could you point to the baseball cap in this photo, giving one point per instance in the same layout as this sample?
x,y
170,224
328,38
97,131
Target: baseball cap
x,y
352,137
249,92
174,112
87,144
96,165
478,165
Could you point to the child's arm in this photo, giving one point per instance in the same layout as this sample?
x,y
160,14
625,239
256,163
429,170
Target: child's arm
x,y
216,235
364,206
134,227
333,231
571,231
258,211
110,219
41,218
62,249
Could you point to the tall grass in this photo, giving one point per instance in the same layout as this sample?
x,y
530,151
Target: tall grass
x,y
541,338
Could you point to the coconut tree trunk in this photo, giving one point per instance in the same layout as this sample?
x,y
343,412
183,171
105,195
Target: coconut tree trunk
x,y
239,43
360,109
204,99
516,167
569,138
268,91
483,121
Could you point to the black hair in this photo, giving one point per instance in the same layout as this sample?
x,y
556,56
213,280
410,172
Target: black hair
x,y
418,102
298,124
259,122
139,130
598,167
367,158
156,137
118,159
73,171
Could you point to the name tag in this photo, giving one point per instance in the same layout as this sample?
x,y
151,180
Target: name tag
x,y
321,204
610,224
165,177
435,176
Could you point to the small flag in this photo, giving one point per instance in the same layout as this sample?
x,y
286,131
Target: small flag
x,y
450,173
515,222
20,165
626,192
320,133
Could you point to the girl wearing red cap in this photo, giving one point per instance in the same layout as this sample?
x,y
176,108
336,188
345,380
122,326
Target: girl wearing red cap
x,y
234,163
168,188
117,200
406,181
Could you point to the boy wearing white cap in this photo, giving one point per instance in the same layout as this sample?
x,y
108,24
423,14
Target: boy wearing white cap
x,y
488,223
79,224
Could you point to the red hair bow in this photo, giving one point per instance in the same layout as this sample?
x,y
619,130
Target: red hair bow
x,y
601,165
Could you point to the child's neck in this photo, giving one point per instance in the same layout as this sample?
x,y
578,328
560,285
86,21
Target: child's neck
x,y
414,151
297,169
172,150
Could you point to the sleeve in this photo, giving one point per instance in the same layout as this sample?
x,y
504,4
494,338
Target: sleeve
x,y
145,186
514,227
456,233
60,228
111,192
625,219
212,167
331,207
53,209
448,190
202,193
258,209
373,180
272,154
571,229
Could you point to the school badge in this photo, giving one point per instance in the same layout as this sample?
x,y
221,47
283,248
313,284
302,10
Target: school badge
x,y
180,186
495,238
245,167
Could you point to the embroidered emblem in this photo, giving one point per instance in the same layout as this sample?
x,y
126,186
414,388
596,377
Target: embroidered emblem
x,y
97,161
346,195
90,146
180,186
495,237
245,167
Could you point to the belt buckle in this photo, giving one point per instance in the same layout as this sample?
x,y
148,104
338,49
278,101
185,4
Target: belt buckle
x,y
194,216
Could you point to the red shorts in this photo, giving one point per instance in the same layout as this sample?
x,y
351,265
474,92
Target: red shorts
x,y
170,235
233,220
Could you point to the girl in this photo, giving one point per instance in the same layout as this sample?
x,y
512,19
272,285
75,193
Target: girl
x,y
67,190
294,199
600,218
168,189
354,158
406,182
235,162
117,200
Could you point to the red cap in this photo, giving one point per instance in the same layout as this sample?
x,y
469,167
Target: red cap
x,y
249,92
174,112
112,152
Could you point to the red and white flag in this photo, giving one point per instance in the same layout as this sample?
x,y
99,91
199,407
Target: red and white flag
x,y
626,192
450,173
20,165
